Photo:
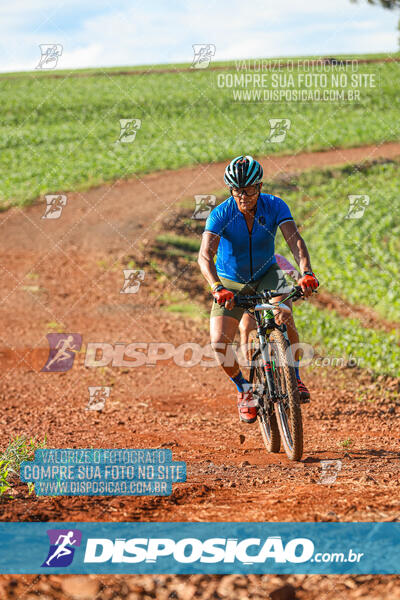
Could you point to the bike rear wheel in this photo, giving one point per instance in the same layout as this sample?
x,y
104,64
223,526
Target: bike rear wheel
x,y
287,407
266,415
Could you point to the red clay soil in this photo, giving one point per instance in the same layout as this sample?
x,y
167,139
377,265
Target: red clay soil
x,y
67,274
200,587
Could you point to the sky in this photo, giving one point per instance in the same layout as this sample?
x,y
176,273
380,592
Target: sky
x,y
99,33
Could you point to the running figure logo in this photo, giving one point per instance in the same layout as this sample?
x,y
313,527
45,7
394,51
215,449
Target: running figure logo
x,y
330,471
55,204
358,204
98,396
278,129
133,279
204,205
50,53
62,547
128,129
63,347
203,53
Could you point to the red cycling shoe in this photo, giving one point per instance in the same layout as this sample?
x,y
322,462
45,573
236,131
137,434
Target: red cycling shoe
x,y
247,412
303,391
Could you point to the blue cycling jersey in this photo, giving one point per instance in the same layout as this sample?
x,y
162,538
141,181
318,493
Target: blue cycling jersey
x,y
245,256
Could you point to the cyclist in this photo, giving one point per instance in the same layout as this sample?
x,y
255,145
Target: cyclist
x,y
248,324
240,232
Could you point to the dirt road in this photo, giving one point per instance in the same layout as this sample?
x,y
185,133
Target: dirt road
x,y
66,275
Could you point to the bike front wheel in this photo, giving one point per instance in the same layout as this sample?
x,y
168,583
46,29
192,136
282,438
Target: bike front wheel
x,y
287,406
266,415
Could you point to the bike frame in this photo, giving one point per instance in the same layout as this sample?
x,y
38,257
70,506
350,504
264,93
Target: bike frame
x,y
265,325
278,405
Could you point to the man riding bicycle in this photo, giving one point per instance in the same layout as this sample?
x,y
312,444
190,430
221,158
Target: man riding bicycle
x,y
240,232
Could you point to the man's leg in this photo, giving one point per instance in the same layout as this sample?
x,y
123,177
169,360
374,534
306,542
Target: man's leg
x,y
223,329
222,332
246,326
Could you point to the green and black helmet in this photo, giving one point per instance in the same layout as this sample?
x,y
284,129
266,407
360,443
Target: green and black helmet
x,y
243,171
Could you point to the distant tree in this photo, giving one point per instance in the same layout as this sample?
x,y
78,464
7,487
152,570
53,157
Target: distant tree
x,y
385,3
388,4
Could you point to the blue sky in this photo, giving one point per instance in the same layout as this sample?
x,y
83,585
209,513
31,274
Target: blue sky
x,y
97,33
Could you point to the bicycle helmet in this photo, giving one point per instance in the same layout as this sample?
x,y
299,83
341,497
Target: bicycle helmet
x,y
243,171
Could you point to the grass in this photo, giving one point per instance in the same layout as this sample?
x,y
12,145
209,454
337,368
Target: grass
x,y
180,303
55,327
169,245
178,245
346,443
185,309
181,242
61,134
340,337
355,258
18,450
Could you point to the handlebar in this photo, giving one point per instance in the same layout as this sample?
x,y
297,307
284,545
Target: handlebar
x,y
251,301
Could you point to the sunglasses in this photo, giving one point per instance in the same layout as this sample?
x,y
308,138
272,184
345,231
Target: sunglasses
x,y
250,191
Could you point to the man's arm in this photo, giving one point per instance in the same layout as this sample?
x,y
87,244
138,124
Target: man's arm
x,y
208,249
297,245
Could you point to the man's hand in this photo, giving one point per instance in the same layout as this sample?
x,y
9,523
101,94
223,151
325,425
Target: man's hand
x,y
224,296
308,283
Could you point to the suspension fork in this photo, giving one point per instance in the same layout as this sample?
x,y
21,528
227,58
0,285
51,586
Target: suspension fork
x,y
263,336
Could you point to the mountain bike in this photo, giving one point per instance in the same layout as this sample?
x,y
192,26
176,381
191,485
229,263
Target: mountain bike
x,y
272,375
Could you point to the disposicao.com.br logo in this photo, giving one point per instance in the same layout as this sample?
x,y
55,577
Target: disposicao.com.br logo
x,y
190,550
248,551
168,553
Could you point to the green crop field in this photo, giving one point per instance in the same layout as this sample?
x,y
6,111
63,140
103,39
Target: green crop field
x,y
59,134
337,337
357,258
169,66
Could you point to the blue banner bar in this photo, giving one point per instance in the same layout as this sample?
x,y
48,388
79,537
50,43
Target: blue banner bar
x,y
219,548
